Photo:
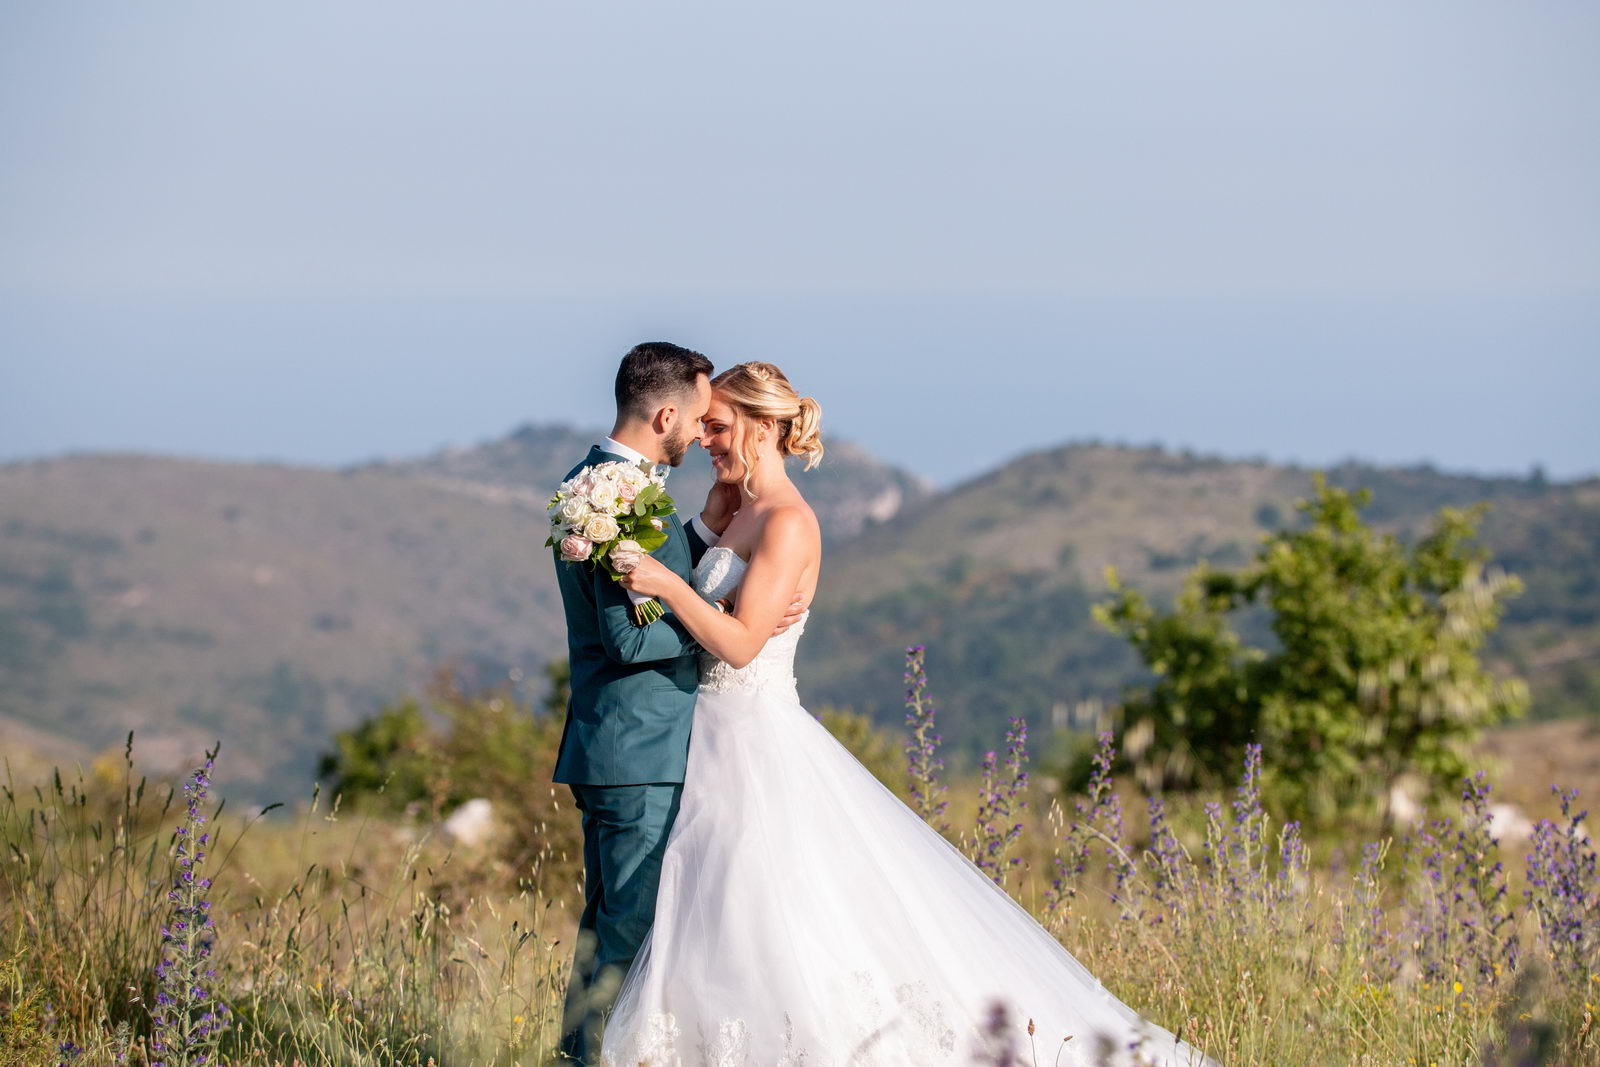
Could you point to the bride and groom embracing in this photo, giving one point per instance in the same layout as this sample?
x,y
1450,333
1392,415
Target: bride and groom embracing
x,y
754,897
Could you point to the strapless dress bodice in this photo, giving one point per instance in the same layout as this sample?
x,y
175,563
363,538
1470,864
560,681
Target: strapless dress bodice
x,y
772,671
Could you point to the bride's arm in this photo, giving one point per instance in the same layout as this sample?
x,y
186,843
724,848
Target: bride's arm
x,y
765,594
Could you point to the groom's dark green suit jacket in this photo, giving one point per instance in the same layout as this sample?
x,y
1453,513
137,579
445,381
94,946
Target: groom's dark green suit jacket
x,y
633,687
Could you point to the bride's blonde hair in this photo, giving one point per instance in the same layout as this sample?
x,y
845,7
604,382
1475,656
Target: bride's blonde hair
x,y
761,391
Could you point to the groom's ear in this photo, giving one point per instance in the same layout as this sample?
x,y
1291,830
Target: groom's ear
x,y
665,418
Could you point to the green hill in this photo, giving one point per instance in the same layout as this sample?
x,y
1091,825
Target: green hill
x,y
996,577
266,605
851,488
271,605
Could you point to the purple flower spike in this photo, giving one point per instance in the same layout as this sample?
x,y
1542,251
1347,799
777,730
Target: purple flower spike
x,y
923,763
1564,890
1003,797
185,1024
1098,818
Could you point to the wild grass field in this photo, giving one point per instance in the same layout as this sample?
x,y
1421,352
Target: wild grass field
x,y
151,922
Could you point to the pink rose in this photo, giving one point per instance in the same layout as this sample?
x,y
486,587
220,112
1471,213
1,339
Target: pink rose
x,y
627,491
626,556
576,549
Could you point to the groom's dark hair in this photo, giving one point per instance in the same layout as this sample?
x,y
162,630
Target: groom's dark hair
x,y
654,373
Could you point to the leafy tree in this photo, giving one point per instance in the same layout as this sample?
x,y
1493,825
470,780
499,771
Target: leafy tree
x,y
428,757
386,756
1376,672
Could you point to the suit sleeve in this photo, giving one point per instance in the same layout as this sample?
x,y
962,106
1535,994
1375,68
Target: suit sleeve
x,y
666,638
697,544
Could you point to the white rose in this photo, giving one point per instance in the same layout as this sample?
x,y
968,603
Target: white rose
x,y
575,511
603,493
600,527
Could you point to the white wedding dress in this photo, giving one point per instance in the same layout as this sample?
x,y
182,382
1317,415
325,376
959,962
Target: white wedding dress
x,y
806,916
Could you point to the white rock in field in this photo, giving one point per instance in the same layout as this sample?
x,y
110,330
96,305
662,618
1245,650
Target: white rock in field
x,y
1402,806
1508,824
470,824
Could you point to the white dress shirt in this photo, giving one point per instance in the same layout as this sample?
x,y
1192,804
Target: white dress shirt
x,y
617,448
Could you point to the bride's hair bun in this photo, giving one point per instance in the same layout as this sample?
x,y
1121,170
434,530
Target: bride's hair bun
x,y
762,391
804,437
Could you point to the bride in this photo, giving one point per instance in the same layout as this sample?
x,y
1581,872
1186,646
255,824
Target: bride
x,y
804,914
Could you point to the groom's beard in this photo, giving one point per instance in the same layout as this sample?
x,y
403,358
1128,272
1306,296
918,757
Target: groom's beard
x,y
674,448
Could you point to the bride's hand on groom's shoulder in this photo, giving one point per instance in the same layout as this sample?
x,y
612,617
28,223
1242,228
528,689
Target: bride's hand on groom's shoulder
x,y
722,504
650,577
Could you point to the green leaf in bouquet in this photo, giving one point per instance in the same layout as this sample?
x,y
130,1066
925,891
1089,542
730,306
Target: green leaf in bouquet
x,y
640,507
650,538
648,494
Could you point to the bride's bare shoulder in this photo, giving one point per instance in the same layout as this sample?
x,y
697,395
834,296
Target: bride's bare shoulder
x,y
790,526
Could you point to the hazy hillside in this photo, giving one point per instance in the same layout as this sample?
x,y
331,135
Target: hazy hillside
x,y
996,576
268,605
849,490
271,605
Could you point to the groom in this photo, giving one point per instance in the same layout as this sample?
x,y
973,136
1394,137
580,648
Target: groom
x,y
626,742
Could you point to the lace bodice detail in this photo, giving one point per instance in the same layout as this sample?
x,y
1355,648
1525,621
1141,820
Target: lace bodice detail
x,y
718,575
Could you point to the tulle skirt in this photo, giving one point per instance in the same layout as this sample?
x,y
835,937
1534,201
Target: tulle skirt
x,y
806,916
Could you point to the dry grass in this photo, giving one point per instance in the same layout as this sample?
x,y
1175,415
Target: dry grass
x,y
344,939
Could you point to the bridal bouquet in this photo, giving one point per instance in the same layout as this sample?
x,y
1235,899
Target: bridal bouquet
x,y
612,509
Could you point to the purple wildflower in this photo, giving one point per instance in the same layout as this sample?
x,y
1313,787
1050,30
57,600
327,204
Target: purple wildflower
x,y
188,1017
1096,816
1564,891
1373,926
1003,797
1242,860
923,763
1428,927
996,1041
1166,858
1215,847
1238,860
1480,885
1294,858
1459,910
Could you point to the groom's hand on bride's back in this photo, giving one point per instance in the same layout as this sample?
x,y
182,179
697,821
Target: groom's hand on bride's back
x,y
797,608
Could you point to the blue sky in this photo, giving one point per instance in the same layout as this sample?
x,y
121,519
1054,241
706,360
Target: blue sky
x,y
320,233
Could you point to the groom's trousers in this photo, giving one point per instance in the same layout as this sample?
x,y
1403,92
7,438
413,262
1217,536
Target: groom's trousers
x,y
624,836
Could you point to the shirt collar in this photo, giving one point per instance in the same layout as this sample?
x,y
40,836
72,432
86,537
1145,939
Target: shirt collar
x,y
617,448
